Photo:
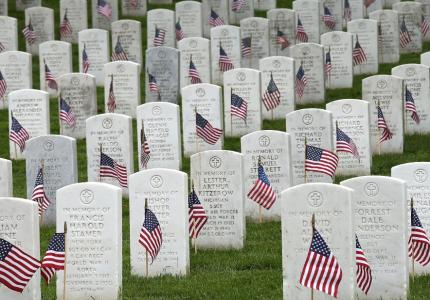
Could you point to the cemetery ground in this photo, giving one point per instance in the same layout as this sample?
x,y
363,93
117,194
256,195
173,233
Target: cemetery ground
x,y
252,273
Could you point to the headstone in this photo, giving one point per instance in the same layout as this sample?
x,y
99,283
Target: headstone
x,y
332,206
95,42
379,205
245,10
6,178
79,91
357,10
8,33
416,79
316,126
282,22
389,3
125,76
311,57
206,99
161,124
308,12
425,58
197,50
188,15
163,64
388,91
21,5
77,15
42,20
366,33
257,30
373,6
163,20
113,133
58,156
31,109
129,34
220,7
93,214
388,35
335,8
16,68
264,4
217,176
246,84
57,56
283,71
352,117
166,194
160,1
410,13
228,37
425,7
20,227
102,20
134,8
415,174
274,150
3,8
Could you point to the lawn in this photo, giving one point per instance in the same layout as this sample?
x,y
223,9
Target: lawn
x,y
253,273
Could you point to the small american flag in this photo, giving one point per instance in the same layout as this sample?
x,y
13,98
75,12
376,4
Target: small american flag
x,y
224,62
65,27
327,65
153,86
386,133
261,192
410,105
18,134
321,270
193,74
345,144
358,55
2,47
178,30
110,168
239,107
301,34
215,20
405,37
159,36
205,130
133,4
197,217
29,33
281,39
145,153
111,99
3,86
151,237
39,194
237,5
347,13
85,61
364,273
301,81
272,96
54,257
425,26
119,52
419,243
104,9
367,3
320,160
246,47
49,78
16,267
66,113
328,18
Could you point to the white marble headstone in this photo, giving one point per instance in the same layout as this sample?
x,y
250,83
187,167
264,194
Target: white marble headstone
x,y
410,12
425,58
336,10
246,10
8,33
4,8
6,178
425,7
256,29
129,34
264,4
220,7
164,20
282,21
388,35
42,20
308,12
196,49
21,5
188,14
134,8
100,20
77,14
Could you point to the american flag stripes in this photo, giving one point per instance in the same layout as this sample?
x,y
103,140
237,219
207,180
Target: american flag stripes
x,y
261,192
237,5
320,160
405,37
215,20
47,273
364,272
239,107
85,61
159,36
301,81
347,13
281,39
39,194
224,61
206,131
197,217
386,133
66,113
104,9
419,243
358,55
345,144
65,27
49,78
133,4
2,47
3,86
29,33
301,34
18,134
110,168
367,3
193,74
246,46
145,152
111,104
151,237
410,105
272,96
425,26
328,18
321,270
327,64
16,267
119,52
153,86
54,257
178,31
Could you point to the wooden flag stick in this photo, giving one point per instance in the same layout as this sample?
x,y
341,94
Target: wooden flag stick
x,y
405,112
260,216
231,116
313,231
42,167
379,131
306,150
196,139
146,252
14,144
100,161
413,245
65,261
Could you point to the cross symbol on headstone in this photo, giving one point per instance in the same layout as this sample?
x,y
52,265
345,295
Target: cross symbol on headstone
x,y
371,189
215,162
264,141
315,199
86,196
420,175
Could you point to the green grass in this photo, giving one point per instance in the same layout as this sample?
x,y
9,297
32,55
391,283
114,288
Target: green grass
x,y
252,273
